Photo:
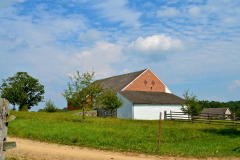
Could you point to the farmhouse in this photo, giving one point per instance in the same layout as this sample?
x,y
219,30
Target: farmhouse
x,y
144,95
216,112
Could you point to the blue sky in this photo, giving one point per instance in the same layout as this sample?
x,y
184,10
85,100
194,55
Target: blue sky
x,y
191,44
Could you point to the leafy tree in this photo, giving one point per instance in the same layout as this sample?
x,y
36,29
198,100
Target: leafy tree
x,y
110,100
214,104
21,90
204,104
12,93
191,105
235,108
82,90
50,107
24,108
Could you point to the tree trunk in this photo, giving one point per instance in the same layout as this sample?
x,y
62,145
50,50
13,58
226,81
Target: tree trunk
x,y
83,115
14,109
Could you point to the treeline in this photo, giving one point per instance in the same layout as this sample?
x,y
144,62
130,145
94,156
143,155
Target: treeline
x,y
234,106
53,110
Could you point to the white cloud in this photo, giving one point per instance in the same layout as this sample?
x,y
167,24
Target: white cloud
x,y
194,11
148,4
100,57
90,36
22,45
6,3
156,45
117,11
126,71
54,94
50,45
235,84
215,98
72,75
168,12
49,27
5,37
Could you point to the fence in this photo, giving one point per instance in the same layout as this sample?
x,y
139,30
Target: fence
x,y
107,113
4,120
182,116
215,119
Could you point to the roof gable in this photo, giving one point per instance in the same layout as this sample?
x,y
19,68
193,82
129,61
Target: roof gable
x,y
117,83
144,80
147,81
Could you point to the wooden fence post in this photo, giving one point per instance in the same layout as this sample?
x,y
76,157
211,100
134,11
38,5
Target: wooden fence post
x,y
192,117
171,115
165,115
4,112
159,138
209,116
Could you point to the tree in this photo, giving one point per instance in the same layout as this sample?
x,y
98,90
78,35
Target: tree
x,y
191,105
50,107
214,104
204,104
110,100
12,93
22,89
82,90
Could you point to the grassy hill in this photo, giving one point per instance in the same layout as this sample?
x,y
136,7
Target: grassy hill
x,y
178,138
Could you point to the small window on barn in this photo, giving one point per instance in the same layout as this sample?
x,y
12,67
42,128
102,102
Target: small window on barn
x,y
145,82
153,83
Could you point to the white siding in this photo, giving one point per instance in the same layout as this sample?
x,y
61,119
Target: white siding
x,y
125,112
167,90
151,112
228,111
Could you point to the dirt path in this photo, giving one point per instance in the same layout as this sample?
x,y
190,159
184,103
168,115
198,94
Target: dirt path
x,y
34,150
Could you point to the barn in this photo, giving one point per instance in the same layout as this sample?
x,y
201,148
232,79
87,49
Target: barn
x,y
217,112
144,95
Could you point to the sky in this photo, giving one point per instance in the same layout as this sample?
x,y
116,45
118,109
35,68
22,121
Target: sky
x,y
190,45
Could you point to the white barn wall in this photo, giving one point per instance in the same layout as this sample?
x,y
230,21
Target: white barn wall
x,y
125,112
151,111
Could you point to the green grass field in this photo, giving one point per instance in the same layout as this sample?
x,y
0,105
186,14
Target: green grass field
x,y
178,138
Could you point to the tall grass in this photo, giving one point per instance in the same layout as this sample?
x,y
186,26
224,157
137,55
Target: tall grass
x,y
178,138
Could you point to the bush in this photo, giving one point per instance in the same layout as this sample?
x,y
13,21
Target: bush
x,y
50,107
24,108
191,105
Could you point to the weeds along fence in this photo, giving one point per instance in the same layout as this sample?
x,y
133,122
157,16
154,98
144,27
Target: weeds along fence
x,y
215,119
4,120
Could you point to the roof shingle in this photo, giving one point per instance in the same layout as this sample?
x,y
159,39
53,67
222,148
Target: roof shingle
x,y
214,110
117,83
142,97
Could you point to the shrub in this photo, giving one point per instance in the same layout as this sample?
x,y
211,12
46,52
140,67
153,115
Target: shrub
x,y
25,108
191,105
50,107
110,100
